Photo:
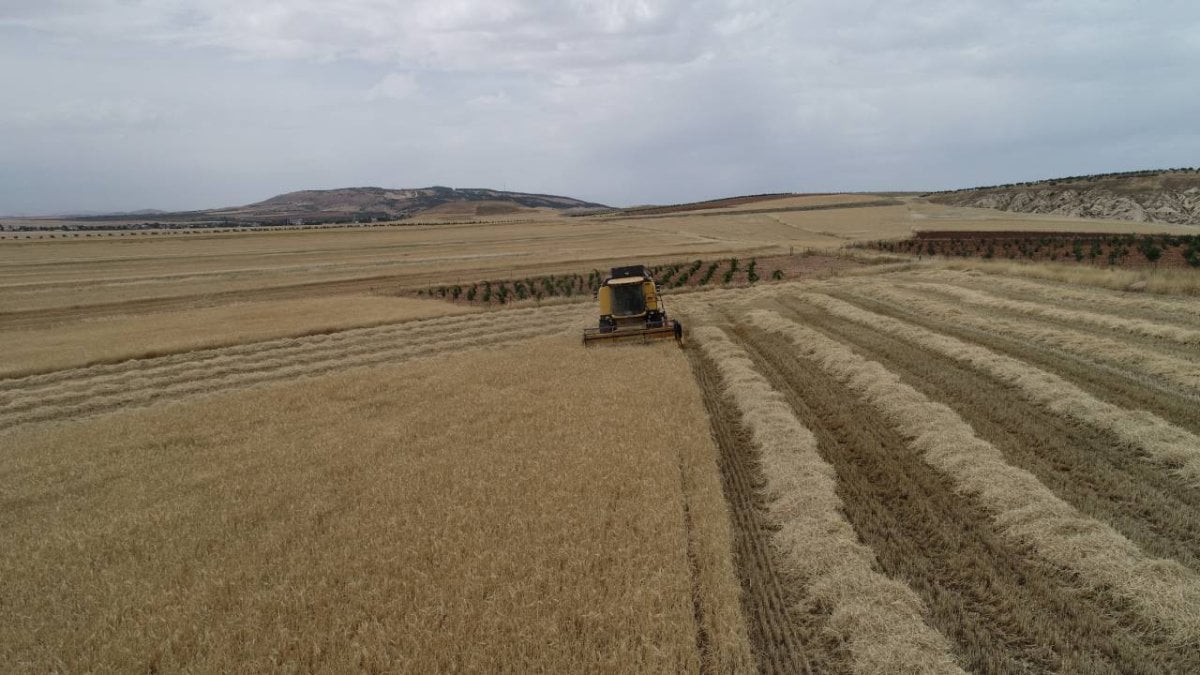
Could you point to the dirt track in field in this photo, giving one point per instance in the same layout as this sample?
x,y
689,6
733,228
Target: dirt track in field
x,y
97,389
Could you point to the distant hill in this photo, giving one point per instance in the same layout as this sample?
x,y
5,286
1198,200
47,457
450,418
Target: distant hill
x,y
368,203
1156,196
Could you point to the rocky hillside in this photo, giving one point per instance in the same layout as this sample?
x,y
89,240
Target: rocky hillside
x,y
1171,196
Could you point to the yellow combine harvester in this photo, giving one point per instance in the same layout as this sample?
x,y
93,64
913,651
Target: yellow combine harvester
x,y
631,309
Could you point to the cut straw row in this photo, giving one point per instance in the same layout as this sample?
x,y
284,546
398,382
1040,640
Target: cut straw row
x,y
880,619
1177,334
1104,301
1157,367
85,397
1139,429
1165,593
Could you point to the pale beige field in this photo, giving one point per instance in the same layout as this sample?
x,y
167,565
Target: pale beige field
x,y
401,517
39,275
117,338
990,443
245,452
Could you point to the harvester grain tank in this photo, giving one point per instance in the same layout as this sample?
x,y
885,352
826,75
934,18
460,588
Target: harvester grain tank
x,y
631,309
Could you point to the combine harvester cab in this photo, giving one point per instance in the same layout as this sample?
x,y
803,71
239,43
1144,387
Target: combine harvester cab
x,y
631,310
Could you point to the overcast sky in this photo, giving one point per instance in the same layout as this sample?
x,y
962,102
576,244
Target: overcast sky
x,y
177,104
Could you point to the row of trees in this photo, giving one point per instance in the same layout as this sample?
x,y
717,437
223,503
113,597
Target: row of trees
x,y
1114,249
567,285
502,292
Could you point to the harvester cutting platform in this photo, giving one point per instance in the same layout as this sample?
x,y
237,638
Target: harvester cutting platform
x,y
631,309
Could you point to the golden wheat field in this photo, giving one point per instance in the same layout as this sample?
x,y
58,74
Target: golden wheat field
x,y
251,452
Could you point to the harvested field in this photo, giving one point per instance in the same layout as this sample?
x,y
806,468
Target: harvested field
x,y
879,621
1157,367
1155,308
261,452
1042,508
1172,283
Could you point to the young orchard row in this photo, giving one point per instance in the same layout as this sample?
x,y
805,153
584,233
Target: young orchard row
x,y
727,271
1122,250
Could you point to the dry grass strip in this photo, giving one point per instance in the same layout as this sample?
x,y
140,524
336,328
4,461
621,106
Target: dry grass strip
x,y
1163,591
880,618
1148,433
1183,336
1160,368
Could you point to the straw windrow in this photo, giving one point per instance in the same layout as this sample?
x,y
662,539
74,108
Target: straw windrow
x,y
1148,433
1163,592
880,618
1181,373
1177,334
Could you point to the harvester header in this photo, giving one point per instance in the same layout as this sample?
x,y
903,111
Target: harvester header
x,y
631,309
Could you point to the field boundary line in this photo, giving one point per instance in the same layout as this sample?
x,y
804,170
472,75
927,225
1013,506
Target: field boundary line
x,y
880,618
1162,591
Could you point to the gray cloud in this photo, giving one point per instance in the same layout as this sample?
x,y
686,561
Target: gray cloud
x,y
172,104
